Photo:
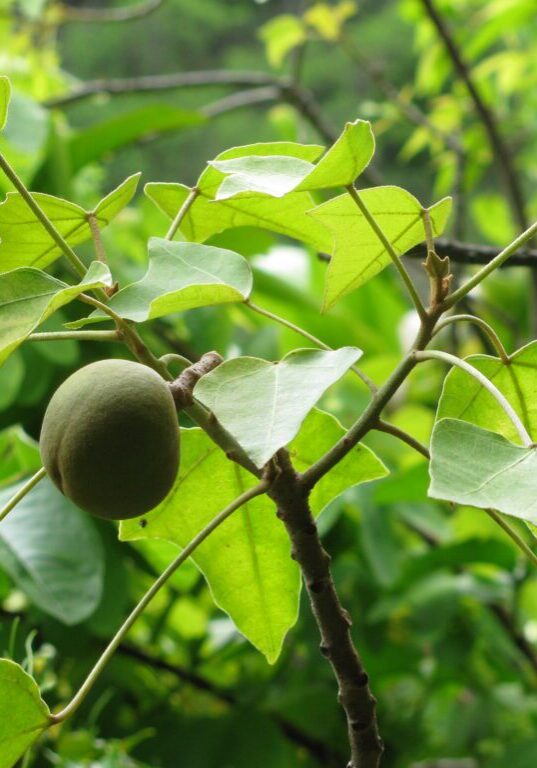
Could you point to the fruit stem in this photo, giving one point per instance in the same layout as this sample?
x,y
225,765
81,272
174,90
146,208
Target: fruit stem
x,y
22,492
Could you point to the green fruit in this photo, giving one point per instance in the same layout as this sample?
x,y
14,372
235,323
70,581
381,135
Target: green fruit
x,y
110,439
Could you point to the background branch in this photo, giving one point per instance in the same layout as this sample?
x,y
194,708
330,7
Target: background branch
x,y
126,13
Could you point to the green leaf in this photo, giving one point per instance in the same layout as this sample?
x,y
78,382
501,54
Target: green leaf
x,y
281,35
278,175
23,713
41,543
23,240
28,297
357,254
19,454
181,276
480,468
246,561
263,404
208,217
92,144
463,397
5,95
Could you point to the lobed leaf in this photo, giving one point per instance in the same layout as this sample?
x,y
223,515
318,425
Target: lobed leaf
x,y
180,276
263,404
24,242
28,297
208,217
480,468
23,713
246,561
41,543
357,254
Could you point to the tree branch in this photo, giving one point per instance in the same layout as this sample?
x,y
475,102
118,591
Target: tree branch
x,y
500,151
359,704
126,13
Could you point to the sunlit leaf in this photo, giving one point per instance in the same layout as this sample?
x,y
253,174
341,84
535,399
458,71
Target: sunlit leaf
x,y
263,404
24,242
23,713
181,276
208,217
463,397
28,297
277,176
357,254
329,20
281,35
246,561
480,468
41,543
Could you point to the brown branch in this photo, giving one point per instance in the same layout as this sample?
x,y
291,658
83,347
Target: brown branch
x,y
182,387
246,98
468,253
166,82
126,13
499,149
359,704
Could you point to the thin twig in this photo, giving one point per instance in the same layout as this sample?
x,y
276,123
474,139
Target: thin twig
x,y
310,337
75,336
445,357
100,15
400,434
116,641
514,535
22,492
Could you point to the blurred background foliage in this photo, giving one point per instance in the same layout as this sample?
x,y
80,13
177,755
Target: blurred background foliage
x,y
445,611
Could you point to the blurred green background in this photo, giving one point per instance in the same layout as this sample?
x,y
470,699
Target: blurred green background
x,y
448,634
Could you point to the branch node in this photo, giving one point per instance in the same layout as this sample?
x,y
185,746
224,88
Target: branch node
x,y
183,386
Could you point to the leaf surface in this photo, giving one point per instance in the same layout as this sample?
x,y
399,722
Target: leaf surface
x,y
41,542
246,560
28,297
23,713
357,253
263,404
5,95
480,468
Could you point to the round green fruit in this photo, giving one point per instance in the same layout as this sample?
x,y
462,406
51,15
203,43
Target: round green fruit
x,y
110,439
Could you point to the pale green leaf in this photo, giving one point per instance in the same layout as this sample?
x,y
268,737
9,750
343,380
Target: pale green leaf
x,y
24,242
28,297
281,35
329,20
357,253
208,217
463,397
263,404
181,276
20,454
480,468
41,543
277,176
246,561
23,713
5,95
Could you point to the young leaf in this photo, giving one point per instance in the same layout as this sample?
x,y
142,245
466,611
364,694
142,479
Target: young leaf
x,y
20,454
5,95
181,276
28,297
463,397
23,713
23,240
480,468
208,217
357,254
41,543
281,35
246,561
277,176
263,404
